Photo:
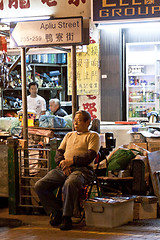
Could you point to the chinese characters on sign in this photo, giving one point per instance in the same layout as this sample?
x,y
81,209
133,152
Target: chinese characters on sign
x,y
59,32
87,71
14,3
91,107
50,3
23,4
90,103
76,2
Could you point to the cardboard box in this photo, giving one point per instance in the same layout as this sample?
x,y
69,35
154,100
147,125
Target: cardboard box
x,y
152,147
108,215
32,122
142,145
137,137
153,139
145,207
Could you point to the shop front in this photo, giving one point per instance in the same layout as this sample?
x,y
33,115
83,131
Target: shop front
x,y
129,49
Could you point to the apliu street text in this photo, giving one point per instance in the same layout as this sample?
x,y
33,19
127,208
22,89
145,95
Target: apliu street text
x,y
60,25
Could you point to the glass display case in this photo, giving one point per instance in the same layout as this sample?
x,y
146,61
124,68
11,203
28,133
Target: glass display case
x,y
142,79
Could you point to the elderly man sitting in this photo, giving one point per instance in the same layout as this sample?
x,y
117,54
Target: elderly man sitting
x,y
74,158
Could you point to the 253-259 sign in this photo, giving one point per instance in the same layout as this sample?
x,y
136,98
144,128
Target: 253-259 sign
x,y
111,10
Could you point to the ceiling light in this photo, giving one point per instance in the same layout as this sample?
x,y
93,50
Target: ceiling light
x,y
23,19
129,25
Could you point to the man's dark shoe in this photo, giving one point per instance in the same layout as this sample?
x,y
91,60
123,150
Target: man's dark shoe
x,y
55,221
66,223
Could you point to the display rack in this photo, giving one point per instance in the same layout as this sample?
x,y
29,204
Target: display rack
x,y
142,79
12,95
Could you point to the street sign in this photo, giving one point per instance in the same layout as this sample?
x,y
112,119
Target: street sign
x,y
64,31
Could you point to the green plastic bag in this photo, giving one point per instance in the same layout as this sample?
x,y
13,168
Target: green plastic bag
x,y
121,158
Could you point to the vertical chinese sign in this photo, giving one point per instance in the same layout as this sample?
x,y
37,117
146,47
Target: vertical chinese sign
x,y
87,71
91,103
87,79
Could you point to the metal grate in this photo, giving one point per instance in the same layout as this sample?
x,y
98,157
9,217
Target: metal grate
x,y
34,163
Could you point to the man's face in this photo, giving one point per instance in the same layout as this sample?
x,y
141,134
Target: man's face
x,y
79,124
53,107
33,90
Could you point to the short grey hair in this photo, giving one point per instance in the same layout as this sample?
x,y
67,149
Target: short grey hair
x,y
55,100
86,115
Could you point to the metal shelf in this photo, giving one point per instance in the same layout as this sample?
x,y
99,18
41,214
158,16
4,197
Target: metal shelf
x,y
141,103
140,74
140,86
41,88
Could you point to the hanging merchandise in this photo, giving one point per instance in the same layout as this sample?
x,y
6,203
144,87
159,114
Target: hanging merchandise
x,y
3,70
3,44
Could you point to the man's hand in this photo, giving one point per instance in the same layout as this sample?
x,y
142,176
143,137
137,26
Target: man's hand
x,y
67,171
65,163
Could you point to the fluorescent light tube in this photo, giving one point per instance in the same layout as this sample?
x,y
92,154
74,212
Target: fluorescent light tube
x,y
23,19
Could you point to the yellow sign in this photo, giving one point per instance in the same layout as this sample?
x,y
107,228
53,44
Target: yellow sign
x,y
87,71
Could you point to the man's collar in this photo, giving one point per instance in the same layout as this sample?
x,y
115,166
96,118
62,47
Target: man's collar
x,y
57,110
80,133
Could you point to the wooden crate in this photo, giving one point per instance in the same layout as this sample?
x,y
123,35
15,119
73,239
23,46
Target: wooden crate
x,y
152,139
154,146
142,145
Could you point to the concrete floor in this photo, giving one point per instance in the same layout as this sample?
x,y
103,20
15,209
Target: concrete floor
x,y
35,227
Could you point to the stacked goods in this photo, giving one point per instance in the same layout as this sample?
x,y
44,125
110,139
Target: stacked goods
x,y
123,157
145,207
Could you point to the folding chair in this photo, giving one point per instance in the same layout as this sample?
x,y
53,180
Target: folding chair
x,y
88,188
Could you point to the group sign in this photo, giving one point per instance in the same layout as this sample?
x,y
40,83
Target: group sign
x,y
64,31
124,10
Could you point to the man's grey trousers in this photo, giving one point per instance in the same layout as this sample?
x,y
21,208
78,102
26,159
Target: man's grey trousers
x,y
70,185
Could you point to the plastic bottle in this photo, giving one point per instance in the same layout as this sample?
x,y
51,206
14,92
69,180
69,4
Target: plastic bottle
x,y
134,94
144,97
137,112
147,96
144,112
130,96
141,112
130,112
137,94
132,81
141,96
152,96
133,112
